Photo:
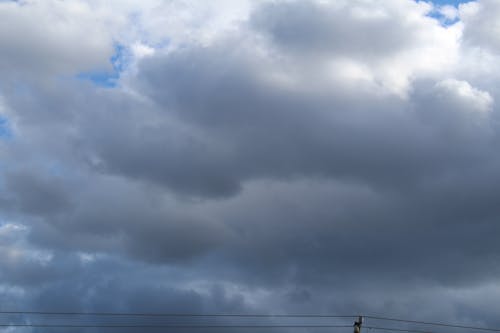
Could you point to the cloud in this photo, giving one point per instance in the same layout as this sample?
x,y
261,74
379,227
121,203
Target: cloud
x,y
328,156
354,30
53,37
481,25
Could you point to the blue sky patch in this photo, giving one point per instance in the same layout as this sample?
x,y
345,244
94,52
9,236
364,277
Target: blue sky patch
x,y
5,130
440,17
109,79
445,21
449,2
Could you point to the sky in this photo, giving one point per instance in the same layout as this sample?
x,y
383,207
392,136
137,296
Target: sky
x,y
448,2
237,156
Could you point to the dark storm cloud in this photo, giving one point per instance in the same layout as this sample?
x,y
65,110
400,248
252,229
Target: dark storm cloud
x,y
35,195
407,152
218,123
107,284
247,174
248,128
113,216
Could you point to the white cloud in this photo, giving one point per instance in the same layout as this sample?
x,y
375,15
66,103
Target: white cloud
x,y
449,12
482,27
468,96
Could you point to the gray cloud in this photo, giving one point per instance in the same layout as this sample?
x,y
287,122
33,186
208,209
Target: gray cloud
x,y
360,30
29,193
245,173
36,41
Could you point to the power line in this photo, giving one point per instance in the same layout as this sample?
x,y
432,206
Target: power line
x,y
171,326
231,315
142,314
434,324
396,329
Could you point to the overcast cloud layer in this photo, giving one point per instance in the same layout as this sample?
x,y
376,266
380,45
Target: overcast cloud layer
x,y
333,157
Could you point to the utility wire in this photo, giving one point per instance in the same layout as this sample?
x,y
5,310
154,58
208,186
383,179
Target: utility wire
x,y
233,315
131,314
433,323
171,326
396,329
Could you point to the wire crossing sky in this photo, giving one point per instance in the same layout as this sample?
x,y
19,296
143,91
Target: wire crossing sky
x,y
70,323
249,157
